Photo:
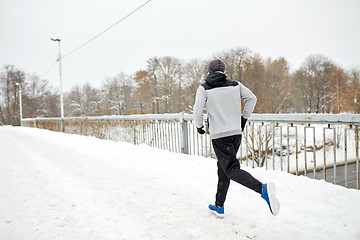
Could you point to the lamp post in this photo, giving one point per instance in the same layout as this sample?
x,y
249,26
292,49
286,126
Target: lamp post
x,y
356,99
20,101
60,75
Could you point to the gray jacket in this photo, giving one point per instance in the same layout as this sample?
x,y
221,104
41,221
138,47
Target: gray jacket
x,y
222,100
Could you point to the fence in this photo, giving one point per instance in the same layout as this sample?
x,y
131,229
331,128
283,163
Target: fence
x,y
321,146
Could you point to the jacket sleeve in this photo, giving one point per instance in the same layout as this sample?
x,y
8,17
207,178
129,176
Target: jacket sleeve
x,y
250,101
199,105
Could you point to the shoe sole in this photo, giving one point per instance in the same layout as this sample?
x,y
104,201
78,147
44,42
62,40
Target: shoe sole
x,y
274,202
217,214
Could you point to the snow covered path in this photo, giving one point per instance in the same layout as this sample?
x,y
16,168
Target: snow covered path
x,y
61,186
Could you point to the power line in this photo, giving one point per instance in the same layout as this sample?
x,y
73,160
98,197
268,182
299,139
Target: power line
x,y
51,67
92,39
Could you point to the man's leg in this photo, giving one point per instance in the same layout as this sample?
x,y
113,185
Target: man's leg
x,y
222,187
225,150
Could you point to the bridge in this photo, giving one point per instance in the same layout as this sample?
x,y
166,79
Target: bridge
x,y
295,143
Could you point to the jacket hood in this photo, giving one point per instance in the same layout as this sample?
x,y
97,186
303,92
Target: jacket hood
x,y
216,79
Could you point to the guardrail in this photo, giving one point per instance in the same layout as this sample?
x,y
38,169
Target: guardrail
x,y
302,144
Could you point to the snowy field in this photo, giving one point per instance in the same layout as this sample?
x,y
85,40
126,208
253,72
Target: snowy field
x,y
62,186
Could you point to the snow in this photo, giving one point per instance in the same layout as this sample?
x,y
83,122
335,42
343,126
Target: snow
x,y
62,186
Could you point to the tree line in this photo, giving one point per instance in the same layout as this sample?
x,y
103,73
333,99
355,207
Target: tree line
x,y
168,85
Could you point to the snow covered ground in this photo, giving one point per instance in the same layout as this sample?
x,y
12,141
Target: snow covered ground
x,y
62,186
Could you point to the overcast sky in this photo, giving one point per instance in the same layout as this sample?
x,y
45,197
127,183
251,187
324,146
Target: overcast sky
x,y
185,29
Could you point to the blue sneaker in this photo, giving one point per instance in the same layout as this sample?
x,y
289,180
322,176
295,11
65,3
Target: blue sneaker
x,y
218,211
270,197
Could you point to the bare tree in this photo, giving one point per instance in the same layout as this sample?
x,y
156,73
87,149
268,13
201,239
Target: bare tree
x,y
195,73
152,66
118,93
170,83
312,83
235,60
38,98
82,101
9,76
144,91
354,81
278,88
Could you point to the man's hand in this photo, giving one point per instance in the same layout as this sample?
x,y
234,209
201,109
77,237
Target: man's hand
x,y
201,130
243,123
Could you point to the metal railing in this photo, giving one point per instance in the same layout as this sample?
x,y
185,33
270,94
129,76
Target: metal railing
x,y
322,146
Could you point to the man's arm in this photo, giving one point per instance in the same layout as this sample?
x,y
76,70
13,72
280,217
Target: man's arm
x,y
250,101
199,105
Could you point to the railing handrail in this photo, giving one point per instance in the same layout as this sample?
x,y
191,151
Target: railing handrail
x,y
283,118
305,118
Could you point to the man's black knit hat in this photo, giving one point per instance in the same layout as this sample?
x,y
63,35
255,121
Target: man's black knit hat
x,y
216,65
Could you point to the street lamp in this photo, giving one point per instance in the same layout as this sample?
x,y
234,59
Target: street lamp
x,y
20,101
60,75
355,98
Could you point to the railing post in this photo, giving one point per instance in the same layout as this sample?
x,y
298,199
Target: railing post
x,y
246,145
185,139
357,157
281,149
324,164
253,143
305,152
273,146
62,128
335,144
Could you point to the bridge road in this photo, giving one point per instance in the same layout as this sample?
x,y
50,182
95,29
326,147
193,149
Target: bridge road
x,y
340,175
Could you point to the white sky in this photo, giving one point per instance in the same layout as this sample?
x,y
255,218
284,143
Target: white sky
x,y
184,29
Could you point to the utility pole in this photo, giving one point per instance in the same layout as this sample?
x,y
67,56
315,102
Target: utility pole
x,y
61,90
20,101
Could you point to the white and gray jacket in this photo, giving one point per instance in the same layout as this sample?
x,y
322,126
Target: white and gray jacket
x,y
222,100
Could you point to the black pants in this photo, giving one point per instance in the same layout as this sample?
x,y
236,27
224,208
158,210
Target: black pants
x,y
229,167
